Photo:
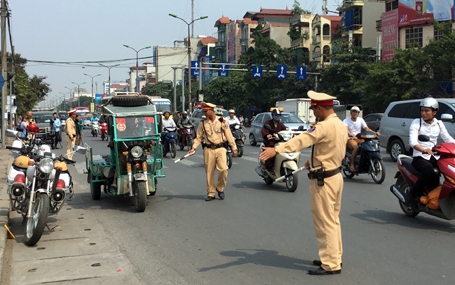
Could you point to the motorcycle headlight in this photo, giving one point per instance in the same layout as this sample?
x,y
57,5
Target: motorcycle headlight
x,y
286,136
137,151
289,155
237,127
46,165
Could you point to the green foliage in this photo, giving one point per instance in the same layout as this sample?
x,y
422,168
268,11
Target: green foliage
x,y
157,89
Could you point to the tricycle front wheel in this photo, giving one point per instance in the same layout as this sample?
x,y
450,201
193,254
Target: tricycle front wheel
x,y
95,187
140,196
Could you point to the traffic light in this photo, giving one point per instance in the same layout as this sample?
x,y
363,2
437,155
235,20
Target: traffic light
x,y
267,64
250,64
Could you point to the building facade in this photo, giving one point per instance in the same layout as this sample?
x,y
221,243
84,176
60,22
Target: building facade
x,y
325,30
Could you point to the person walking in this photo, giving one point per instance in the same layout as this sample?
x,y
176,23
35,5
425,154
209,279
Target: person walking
x,y
70,133
79,128
214,134
328,138
55,124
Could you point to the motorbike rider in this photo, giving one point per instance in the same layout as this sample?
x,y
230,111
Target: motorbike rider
x,y
183,121
355,125
176,118
167,123
423,159
232,119
276,126
94,118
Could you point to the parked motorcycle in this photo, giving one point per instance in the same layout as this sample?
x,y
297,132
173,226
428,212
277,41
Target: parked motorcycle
x,y
368,160
284,164
103,131
170,141
407,176
187,137
95,129
239,137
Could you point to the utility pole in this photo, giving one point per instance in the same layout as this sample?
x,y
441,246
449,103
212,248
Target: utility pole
x,y
324,7
192,18
4,71
175,91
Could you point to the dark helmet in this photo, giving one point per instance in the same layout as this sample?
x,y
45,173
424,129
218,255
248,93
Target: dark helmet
x,y
184,114
276,112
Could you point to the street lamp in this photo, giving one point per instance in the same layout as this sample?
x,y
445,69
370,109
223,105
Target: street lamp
x,y
109,67
64,99
92,82
190,103
78,92
137,58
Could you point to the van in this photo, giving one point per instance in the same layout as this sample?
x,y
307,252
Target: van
x,y
398,117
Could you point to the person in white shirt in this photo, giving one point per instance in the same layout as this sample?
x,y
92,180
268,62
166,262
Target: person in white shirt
x,y
166,122
423,159
232,119
355,125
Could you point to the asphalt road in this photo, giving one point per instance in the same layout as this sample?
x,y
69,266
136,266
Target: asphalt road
x,y
263,234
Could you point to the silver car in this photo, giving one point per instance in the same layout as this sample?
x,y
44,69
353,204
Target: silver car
x,y
291,121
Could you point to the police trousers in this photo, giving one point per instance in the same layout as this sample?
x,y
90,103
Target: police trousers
x,y
325,208
70,147
215,158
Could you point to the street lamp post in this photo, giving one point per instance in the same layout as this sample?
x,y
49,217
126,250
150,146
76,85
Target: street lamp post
x,y
190,103
64,102
109,68
78,92
137,59
92,82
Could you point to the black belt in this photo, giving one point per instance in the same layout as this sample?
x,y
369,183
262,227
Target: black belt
x,y
327,174
213,146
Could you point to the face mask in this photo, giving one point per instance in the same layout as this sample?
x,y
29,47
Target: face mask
x,y
276,118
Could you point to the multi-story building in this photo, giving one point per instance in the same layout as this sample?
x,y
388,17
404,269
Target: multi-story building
x,y
275,24
247,26
221,46
234,34
325,29
206,48
300,37
358,25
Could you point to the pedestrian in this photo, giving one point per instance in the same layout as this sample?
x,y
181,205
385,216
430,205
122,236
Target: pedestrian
x,y
214,134
79,128
55,123
70,133
328,141
19,121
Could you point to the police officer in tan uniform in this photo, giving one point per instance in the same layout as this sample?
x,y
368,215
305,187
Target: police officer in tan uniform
x,y
328,138
70,133
213,133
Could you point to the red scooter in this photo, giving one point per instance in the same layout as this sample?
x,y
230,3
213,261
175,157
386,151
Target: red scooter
x,y
407,176
187,137
103,131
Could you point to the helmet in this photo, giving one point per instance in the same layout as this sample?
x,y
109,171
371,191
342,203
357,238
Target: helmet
x,y
21,161
231,111
276,112
33,128
355,108
184,113
218,112
430,102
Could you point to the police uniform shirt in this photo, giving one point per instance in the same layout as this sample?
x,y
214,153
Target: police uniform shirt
x,y
70,128
214,133
329,138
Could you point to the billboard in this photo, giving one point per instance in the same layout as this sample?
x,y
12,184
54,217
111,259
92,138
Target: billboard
x,y
389,34
415,12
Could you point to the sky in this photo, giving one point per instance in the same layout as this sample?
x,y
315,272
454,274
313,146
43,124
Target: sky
x,y
96,30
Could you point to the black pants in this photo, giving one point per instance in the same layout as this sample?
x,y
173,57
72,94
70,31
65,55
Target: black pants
x,y
428,178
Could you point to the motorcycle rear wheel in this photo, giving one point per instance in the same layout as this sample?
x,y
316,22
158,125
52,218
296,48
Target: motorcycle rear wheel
x,y
35,225
173,149
240,151
345,168
408,211
189,142
378,172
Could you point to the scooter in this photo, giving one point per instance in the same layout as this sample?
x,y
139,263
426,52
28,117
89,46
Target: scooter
x,y
284,164
369,160
170,141
103,131
187,137
95,128
407,176
239,137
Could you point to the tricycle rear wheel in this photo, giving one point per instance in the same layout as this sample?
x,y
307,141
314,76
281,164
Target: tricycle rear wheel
x,y
95,187
140,196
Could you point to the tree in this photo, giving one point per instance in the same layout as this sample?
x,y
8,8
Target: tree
x,y
156,89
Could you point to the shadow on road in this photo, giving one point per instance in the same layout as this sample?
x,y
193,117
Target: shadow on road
x,y
423,221
261,257
260,185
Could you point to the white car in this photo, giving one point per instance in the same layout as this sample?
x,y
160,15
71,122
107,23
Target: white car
x,y
87,122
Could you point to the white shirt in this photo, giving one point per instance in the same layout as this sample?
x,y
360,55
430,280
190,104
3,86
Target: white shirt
x,y
232,121
433,130
355,127
168,123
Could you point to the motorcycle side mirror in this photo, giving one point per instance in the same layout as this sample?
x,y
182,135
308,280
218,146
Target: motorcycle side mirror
x,y
267,127
301,128
423,138
80,149
11,133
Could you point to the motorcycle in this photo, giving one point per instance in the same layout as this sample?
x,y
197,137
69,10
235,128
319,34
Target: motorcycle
x,y
407,176
369,160
103,131
239,137
284,164
187,137
95,129
170,141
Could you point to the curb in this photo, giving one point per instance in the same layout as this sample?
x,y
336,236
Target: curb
x,y
5,161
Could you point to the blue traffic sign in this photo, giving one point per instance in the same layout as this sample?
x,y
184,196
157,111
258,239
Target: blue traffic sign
x,y
257,72
300,72
223,70
2,81
195,67
281,72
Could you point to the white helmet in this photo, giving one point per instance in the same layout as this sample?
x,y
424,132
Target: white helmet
x,y
430,102
231,111
355,108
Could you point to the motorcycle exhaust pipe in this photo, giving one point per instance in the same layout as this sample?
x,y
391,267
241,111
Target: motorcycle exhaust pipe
x,y
403,197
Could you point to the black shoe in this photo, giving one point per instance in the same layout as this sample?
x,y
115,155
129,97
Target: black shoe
x,y
317,262
209,198
220,194
322,271
56,147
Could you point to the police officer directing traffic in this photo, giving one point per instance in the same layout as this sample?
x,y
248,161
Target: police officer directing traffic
x,y
328,138
214,134
70,133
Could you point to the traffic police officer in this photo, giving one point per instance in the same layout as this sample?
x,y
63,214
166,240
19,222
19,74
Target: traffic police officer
x,y
213,133
328,138
70,133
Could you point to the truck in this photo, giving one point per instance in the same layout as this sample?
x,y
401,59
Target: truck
x,y
300,107
344,111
